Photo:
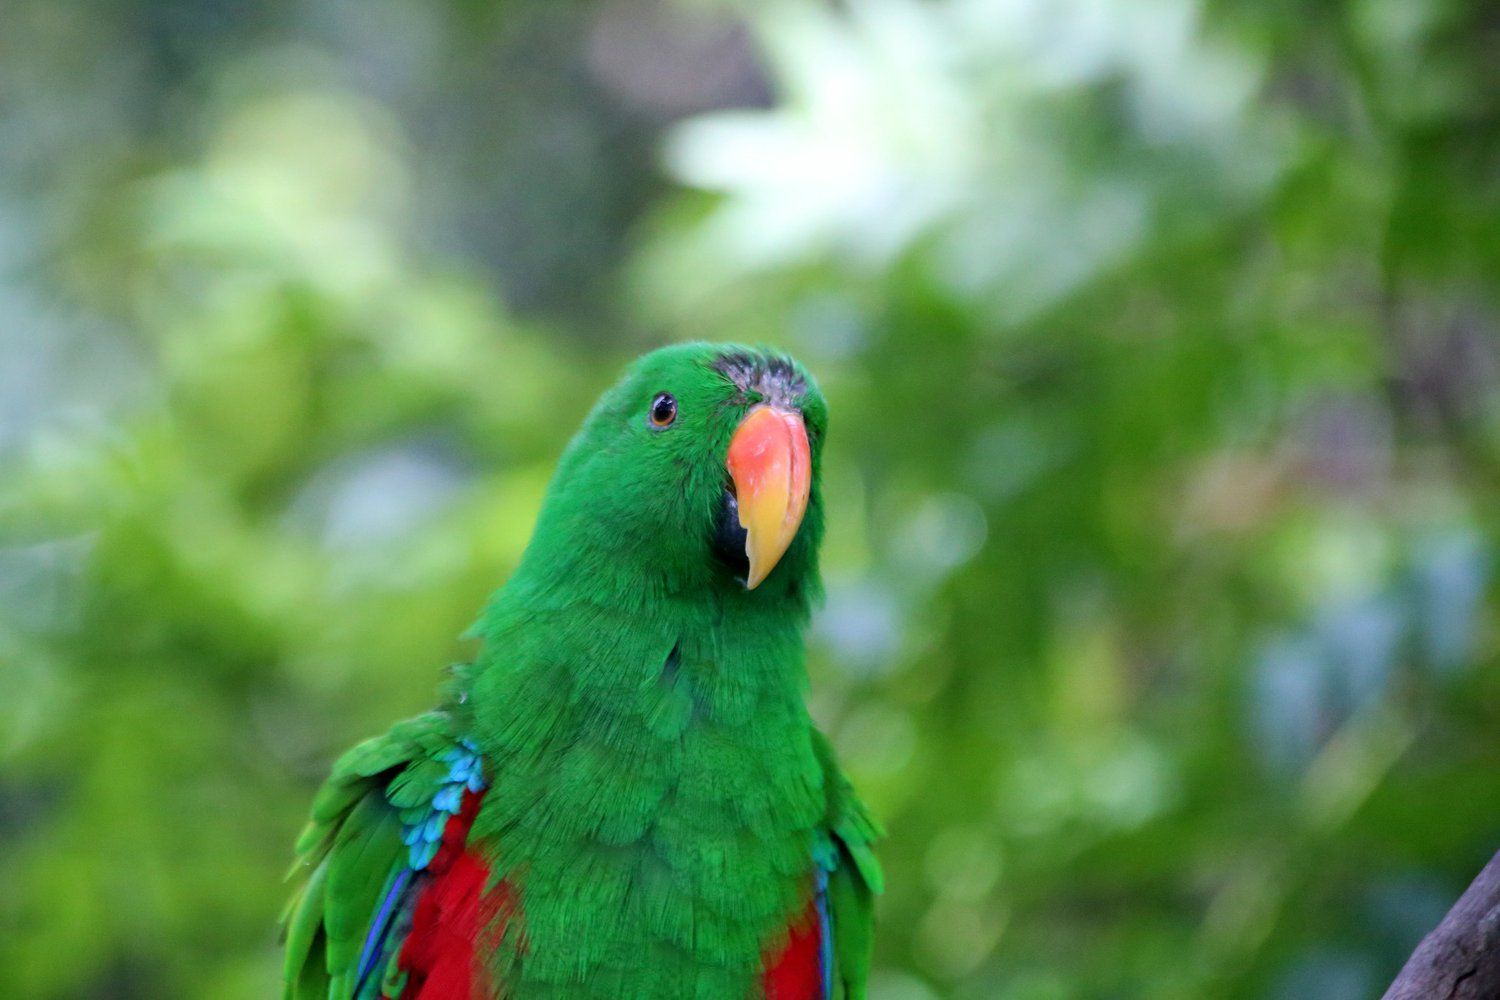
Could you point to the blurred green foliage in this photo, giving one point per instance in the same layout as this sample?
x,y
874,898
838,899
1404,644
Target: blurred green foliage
x,y
1161,343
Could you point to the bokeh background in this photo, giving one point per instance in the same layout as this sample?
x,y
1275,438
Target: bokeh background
x,y
1162,343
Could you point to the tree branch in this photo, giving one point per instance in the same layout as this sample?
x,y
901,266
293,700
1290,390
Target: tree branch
x,y
1460,960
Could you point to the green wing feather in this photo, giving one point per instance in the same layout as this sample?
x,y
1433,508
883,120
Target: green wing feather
x,y
855,880
352,848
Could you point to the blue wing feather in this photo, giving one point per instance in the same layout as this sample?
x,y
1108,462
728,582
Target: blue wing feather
x,y
422,832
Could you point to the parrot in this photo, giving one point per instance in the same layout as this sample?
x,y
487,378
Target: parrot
x,y
622,795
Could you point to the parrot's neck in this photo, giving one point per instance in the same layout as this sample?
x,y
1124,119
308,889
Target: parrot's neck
x,y
579,639
557,674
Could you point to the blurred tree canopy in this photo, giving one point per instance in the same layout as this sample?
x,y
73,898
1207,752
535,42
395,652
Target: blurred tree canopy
x,y
1162,342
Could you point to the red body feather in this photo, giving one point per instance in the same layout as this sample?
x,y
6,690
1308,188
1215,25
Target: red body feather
x,y
797,973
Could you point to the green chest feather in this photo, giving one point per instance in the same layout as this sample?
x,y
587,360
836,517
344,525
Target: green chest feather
x,y
657,812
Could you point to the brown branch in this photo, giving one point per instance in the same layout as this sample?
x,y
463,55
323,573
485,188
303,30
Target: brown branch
x,y
1460,960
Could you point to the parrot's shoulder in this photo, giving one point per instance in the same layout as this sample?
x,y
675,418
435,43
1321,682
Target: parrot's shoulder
x,y
376,826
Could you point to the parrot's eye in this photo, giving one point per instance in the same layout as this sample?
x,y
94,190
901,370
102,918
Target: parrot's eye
x,y
663,410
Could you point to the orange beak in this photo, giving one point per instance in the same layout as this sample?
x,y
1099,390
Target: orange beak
x,y
771,466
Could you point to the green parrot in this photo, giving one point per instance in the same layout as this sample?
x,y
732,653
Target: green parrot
x,y
623,797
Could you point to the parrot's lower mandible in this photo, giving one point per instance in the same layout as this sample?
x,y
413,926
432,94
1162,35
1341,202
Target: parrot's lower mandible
x,y
623,797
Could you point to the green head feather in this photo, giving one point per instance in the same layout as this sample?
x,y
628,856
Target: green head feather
x,y
632,510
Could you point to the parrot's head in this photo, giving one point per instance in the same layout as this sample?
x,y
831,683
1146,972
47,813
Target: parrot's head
x,y
699,469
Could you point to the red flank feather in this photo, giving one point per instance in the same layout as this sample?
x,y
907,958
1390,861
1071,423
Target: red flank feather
x,y
796,973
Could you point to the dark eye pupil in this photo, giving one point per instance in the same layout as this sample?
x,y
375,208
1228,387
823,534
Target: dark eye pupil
x,y
663,410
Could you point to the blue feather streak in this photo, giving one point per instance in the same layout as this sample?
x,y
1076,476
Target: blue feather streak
x,y
825,933
371,950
